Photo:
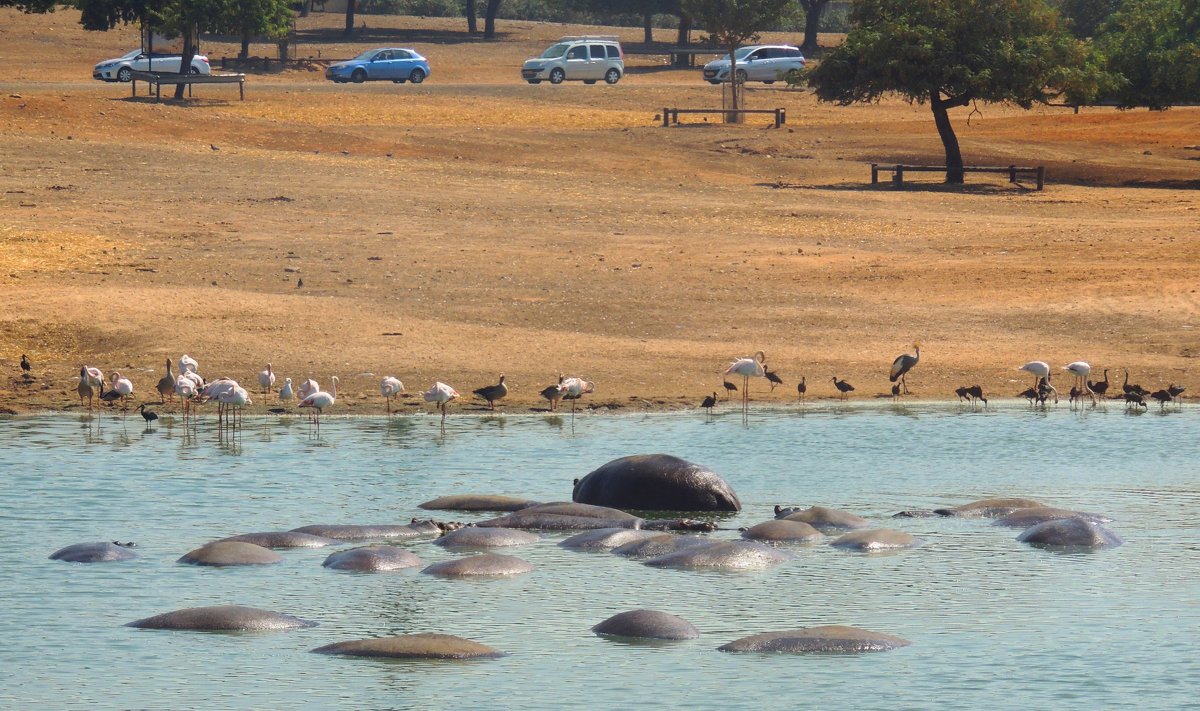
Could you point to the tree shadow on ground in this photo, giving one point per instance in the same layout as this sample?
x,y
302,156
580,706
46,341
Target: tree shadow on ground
x,y
186,102
964,189
391,35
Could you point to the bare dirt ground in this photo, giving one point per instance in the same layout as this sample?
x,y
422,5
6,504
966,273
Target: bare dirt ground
x,y
475,225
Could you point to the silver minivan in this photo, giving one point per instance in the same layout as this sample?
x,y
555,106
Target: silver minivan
x,y
585,59
765,63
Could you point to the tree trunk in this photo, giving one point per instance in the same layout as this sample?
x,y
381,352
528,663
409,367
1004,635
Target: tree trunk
x,y
684,39
472,20
941,117
489,19
185,61
648,27
350,7
245,51
734,88
812,22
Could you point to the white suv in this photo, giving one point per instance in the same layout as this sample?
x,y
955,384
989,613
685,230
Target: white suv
x,y
765,63
586,59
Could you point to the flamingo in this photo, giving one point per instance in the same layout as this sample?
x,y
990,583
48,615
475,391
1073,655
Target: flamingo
x,y
1081,371
285,393
321,400
441,394
1038,368
188,364
747,367
575,388
492,393
266,378
122,386
389,388
214,390
166,385
902,365
84,388
185,388
308,387
234,399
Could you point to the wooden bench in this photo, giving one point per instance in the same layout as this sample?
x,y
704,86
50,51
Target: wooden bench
x,y
1013,171
670,116
157,80
676,56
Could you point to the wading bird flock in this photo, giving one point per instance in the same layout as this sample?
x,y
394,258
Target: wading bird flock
x,y
231,398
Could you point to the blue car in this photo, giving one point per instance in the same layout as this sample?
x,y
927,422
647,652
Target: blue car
x,y
387,64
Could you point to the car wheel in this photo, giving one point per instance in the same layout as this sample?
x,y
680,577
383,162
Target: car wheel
x,y
535,81
714,82
417,76
557,76
612,76
768,82
359,76
741,76
194,70
124,74
589,81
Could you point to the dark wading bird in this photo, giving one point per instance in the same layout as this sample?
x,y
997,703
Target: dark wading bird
x,y
902,365
842,386
976,393
1101,387
492,393
1163,397
962,393
1127,388
801,388
1176,391
1133,399
25,366
896,391
729,388
709,403
773,377
149,417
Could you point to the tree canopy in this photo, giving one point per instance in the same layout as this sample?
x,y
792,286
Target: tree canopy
x,y
950,53
1152,50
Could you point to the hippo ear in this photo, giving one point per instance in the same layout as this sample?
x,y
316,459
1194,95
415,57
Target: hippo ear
x,y
575,482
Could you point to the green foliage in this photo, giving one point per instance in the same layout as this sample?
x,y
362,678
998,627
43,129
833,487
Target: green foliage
x,y
262,18
959,50
1152,48
732,23
1084,17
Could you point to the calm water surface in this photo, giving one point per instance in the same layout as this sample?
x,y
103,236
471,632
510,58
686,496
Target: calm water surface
x,y
994,623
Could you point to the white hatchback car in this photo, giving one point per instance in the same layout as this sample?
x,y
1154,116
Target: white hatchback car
x,y
121,68
765,63
585,59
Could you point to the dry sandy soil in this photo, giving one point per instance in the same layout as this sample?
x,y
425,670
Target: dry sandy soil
x,y
475,225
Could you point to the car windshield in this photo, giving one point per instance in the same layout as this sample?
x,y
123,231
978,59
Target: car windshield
x,y
556,51
130,54
366,55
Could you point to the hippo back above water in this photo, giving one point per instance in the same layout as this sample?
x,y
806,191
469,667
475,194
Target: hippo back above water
x,y
656,482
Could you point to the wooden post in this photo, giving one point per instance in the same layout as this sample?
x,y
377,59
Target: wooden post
x,y
898,176
874,174
666,117
1041,176
1012,173
133,85
780,117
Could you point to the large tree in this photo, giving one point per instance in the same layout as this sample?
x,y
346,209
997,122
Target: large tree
x,y
813,10
1152,49
261,18
951,53
38,6
732,23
